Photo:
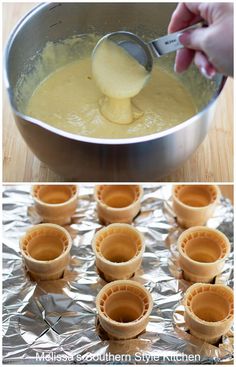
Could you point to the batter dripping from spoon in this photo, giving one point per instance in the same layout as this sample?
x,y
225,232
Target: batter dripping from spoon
x,y
119,77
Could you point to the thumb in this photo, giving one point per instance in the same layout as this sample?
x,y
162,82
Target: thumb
x,y
196,39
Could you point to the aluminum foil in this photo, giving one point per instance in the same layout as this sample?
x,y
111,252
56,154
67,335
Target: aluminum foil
x,y
54,322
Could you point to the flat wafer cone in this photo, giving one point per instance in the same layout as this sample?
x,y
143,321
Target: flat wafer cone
x,y
202,253
118,203
123,309
46,251
209,311
194,204
118,249
55,203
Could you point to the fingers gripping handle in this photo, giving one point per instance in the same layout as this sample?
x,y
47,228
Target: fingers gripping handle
x,y
170,42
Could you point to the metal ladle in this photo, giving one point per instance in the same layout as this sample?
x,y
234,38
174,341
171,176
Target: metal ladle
x,y
143,51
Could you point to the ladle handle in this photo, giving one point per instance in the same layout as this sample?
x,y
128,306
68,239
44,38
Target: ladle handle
x,y
170,42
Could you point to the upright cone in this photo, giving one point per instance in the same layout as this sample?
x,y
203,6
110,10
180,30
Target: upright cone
x,y
118,203
194,204
209,311
202,253
55,203
123,309
46,251
118,249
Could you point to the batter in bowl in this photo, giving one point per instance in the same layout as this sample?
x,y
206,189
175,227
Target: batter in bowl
x,y
70,99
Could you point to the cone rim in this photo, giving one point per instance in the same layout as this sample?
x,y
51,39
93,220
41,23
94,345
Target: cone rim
x,y
41,202
192,315
132,283
196,208
205,229
115,264
49,225
105,206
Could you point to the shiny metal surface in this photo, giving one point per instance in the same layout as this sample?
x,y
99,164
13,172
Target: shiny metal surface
x,y
80,158
142,51
170,42
58,318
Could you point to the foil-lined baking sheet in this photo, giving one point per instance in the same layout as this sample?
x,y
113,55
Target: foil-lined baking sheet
x,y
54,322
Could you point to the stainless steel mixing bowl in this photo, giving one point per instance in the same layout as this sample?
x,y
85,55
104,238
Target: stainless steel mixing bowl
x,y
80,158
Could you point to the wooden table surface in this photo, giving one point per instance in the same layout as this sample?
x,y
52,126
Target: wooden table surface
x,y
228,192
212,162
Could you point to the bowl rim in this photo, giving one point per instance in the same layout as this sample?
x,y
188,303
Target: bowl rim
x,y
87,139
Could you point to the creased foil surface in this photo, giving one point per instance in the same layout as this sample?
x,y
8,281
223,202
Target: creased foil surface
x,y
54,322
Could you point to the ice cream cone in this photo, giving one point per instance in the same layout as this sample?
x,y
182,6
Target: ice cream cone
x,y
46,251
209,311
55,203
123,309
194,204
118,249
202,253
118,203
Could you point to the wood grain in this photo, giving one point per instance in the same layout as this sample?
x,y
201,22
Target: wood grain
x,y
212,162
228,192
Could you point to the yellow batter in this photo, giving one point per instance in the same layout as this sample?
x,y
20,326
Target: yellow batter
x,y
70,99
119,77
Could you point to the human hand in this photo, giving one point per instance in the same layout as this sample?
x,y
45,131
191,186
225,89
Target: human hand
x,y
211,48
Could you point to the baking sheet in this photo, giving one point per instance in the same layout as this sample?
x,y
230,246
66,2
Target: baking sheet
x,y
54,322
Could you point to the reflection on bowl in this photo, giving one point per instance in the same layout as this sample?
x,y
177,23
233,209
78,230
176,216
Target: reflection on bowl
x,y
81,158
